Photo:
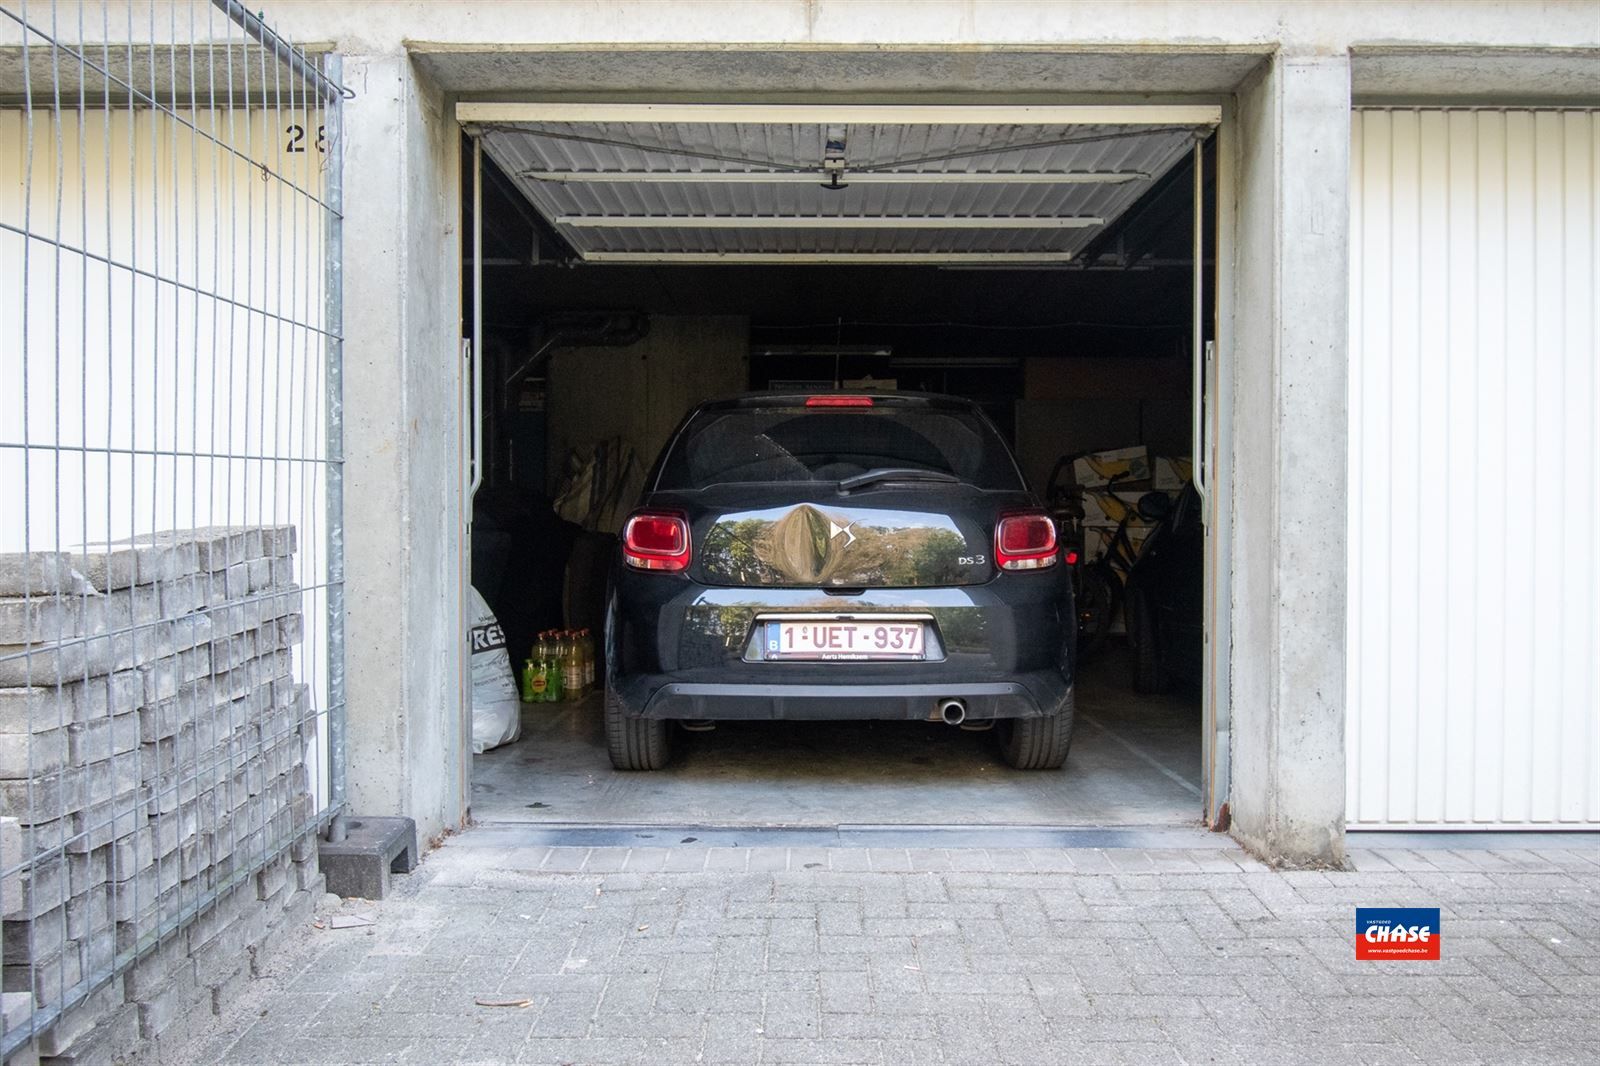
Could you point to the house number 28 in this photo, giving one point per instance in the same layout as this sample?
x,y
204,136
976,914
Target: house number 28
x,y
297,137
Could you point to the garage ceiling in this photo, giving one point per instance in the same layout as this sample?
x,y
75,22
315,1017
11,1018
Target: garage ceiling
x,y
725,183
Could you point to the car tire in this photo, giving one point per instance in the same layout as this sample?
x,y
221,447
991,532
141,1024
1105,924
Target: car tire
x,y
1038,743
636,743
1144,644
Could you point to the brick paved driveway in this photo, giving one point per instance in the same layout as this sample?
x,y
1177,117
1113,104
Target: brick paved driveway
x,y
854,955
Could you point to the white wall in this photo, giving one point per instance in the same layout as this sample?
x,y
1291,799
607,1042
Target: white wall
x,y
153,390
161,346
1474,673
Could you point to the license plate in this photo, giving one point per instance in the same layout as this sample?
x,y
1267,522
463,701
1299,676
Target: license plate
x,y
844,641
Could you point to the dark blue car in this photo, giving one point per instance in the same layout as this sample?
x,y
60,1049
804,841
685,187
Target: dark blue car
x,y
839,557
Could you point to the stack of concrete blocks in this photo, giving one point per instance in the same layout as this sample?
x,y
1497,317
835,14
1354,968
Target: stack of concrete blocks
x,y
155,796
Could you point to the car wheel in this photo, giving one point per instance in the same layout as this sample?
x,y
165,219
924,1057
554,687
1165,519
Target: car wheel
x,y
1038,743
636,743
1148,677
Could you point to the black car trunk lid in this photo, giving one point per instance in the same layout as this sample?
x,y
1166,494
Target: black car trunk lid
x,y
909,535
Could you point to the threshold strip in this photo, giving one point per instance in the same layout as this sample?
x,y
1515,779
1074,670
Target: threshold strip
x,y
528,834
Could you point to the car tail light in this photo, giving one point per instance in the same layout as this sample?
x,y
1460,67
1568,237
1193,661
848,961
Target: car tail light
x,y
1025,542
656,541
839,401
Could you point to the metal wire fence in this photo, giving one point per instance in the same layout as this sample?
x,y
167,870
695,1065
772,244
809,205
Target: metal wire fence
x,y
171,578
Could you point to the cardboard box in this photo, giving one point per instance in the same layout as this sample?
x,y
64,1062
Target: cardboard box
x,y
1097,540
1101,508
1170,474
1124,464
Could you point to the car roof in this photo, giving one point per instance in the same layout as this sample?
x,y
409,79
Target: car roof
x,y
798,399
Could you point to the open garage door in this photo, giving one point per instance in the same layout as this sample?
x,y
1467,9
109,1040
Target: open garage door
x,y
1046,263
694,184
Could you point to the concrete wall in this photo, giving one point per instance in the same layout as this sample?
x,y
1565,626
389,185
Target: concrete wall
x,y
1289,362
1142,24
1079,404
639,393
402,388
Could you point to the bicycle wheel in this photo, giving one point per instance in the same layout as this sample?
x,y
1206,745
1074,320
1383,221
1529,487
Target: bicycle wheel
x,y
1097,605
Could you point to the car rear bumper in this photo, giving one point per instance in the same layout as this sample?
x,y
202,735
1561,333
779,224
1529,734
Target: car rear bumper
x,y
1033,696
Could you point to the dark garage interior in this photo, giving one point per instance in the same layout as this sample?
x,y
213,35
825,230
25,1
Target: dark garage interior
x,y
589,365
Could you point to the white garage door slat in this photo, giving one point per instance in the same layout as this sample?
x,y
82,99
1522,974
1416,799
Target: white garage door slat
x,y
1474,648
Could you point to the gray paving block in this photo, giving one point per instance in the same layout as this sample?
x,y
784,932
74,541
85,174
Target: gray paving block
x,y
236,581
40,887
142,560
103,737
89,869
106,1042
25,755
126,608
107,569
45,978
99,824
36,708
81,659
42,619
229,653
283,571
57,795
280,541
42,937
37,574
98,697
89,914
258,574
217,547
182,595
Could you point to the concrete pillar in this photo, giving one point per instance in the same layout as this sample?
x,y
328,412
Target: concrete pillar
x,y
402,382
1288,495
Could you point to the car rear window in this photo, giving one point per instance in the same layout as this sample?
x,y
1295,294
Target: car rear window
x,y
792,444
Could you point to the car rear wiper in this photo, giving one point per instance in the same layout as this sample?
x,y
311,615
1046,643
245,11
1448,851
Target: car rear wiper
x,y
887,473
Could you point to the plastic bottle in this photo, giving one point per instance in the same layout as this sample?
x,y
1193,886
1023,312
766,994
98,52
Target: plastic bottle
x,y
539,682
525,680
554,688
571,666
586,641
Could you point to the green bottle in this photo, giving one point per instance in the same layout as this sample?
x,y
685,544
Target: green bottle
x,y
552,669
539,672
525,681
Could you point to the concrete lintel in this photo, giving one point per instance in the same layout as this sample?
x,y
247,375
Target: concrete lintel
x,y
1290,366
1387,74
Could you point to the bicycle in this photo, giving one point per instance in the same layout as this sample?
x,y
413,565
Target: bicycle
x,y
1097,584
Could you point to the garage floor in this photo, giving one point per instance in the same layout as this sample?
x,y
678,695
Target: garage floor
x,y
1135,761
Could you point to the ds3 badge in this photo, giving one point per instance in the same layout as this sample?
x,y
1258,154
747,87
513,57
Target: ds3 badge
x,y
1397,933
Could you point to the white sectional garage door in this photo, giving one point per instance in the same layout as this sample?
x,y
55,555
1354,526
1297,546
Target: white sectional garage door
x,y
1474,664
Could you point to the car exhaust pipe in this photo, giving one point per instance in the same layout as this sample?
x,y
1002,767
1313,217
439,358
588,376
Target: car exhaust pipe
x,y
953,711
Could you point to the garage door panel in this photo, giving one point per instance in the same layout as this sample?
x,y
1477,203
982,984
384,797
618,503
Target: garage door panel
x,y
1428,602
816,241
1474,522
1019,191
1369,406
1463,459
